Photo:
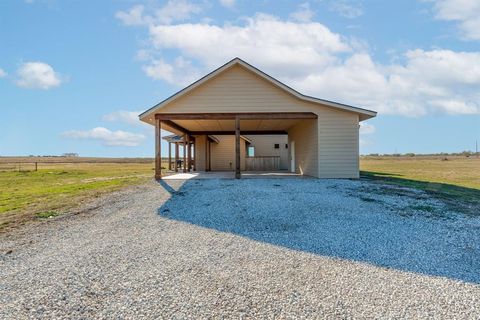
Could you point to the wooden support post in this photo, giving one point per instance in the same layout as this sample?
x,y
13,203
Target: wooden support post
x,y
175,165
237,148
158,150
189,154
195,153
206,153
209,156
184,153
169,156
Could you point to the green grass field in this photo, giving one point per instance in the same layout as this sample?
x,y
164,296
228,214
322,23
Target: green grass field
x,y
58,187
455,180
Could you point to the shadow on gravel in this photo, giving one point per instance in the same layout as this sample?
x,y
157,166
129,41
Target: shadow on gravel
x,y
331,218
167,187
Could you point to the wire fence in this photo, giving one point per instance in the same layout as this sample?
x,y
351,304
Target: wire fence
x,y
25,166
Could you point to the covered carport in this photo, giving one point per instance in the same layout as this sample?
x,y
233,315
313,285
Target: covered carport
x,y
193,126
238,100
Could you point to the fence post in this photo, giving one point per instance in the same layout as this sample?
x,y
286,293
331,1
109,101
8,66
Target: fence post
x,y
36,166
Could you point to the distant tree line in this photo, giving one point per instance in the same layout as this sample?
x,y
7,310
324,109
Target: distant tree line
x,y
55,156
466,153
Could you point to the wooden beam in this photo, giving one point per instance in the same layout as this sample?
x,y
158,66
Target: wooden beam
x,y
184,153
237,148
176,126
176,157
231,133
158,149
233,116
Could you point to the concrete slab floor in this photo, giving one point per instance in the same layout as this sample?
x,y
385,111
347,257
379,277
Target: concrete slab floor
x,y
231,175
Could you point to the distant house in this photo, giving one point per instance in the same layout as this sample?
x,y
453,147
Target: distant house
x,y
238,112
70,155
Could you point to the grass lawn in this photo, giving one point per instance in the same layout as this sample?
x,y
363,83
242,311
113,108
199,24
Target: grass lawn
x,y
454,180
56,188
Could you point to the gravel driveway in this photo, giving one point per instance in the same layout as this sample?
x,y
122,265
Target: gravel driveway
x,y
280,248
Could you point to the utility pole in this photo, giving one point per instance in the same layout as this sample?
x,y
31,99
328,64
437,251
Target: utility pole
x,y
476,148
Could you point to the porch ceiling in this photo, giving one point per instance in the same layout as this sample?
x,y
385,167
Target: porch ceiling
x,y
229,125
225,122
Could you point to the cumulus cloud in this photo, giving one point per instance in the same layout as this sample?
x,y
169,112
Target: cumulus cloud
x,y
303,14
2,73
346,9
426,82
107,137
465,12
173,10
316,61
228,3
132,17
284,46
128,117
37,75
180,72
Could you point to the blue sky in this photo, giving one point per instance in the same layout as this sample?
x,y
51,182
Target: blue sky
x,y
74,76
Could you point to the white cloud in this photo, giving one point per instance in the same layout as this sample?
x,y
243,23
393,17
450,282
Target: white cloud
x,y
143,55
303,14
132,17
366,128
177,10
2,73
426,82
228,3
128,117
37,75
180,72
316,61
346,9
284,46
108,138
465,12
173,10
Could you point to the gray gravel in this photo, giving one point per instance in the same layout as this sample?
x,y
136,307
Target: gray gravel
x,y
249,248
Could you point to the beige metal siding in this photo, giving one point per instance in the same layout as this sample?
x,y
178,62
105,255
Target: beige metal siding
x,y
265,147
306,147
236,90
223,154
326,148
338,145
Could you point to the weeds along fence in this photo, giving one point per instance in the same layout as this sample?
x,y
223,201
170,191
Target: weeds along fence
x,y
26,166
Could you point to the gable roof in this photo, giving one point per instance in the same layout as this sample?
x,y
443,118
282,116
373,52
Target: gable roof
x,y
237,61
